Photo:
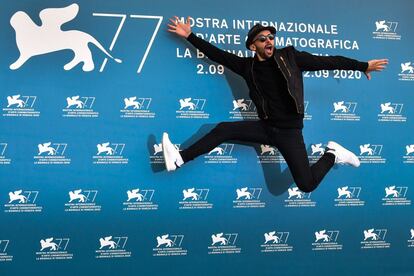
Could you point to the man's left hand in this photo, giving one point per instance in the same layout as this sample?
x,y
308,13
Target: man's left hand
x,y
375,65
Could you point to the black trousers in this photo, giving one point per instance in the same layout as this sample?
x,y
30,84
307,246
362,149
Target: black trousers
x,y
288,141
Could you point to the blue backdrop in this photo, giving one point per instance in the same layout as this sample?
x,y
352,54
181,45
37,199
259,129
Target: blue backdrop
x,y
82,185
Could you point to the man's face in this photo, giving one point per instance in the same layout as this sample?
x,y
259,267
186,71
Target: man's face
x,y
264,49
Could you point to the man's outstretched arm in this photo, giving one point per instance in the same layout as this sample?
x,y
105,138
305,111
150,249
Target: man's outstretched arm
x,y
309,62
231,61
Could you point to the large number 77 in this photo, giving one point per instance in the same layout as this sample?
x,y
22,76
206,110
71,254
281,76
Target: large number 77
x,y
123,18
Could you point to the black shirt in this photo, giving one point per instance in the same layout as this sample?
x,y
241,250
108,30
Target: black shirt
x,y
279,111
273,85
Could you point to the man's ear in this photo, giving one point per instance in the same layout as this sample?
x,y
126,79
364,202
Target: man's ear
x,y
252,47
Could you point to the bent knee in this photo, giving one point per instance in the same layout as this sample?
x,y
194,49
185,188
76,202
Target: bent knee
x,y
306,186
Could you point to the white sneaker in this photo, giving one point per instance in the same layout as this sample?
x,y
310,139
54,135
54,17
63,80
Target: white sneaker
x,y
342,155
171,154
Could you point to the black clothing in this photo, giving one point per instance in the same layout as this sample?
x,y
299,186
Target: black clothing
x,y
291,63
271,81
288,141
276,88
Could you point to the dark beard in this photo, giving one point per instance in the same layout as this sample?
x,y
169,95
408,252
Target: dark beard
x,y
262,53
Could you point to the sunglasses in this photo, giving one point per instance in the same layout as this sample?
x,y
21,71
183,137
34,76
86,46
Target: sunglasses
x,y
262,38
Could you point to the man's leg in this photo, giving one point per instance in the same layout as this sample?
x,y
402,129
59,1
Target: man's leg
x,y
291,145
245,131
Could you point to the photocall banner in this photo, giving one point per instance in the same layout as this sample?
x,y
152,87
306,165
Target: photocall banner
x,y
88,87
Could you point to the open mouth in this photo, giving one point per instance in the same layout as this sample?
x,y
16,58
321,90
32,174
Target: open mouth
x,y
269,49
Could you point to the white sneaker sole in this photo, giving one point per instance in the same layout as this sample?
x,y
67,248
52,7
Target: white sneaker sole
x,y
169,164
354,159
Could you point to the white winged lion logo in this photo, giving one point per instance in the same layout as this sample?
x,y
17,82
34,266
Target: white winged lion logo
x,y
33,40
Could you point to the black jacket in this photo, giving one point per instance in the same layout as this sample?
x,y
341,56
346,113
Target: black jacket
x,y
290,61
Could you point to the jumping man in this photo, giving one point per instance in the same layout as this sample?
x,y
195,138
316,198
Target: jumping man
x,y
275,81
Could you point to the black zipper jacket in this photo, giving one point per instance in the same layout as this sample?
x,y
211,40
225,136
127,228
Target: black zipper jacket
x,y
291,63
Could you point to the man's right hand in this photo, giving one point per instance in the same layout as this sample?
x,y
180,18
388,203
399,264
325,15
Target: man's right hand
x,y
180,28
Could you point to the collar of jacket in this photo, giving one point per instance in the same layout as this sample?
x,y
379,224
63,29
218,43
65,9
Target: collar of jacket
x,y
281,63
277,56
